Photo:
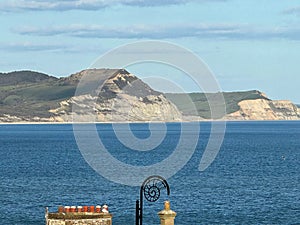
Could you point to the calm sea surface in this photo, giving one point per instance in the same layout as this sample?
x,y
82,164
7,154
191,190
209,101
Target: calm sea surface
x,y
255,179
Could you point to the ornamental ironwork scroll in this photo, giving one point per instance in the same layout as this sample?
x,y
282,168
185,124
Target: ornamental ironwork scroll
x,y
151,190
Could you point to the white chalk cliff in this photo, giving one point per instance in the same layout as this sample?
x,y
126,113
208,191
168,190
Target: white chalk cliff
x,y
121,97
115,95
263,109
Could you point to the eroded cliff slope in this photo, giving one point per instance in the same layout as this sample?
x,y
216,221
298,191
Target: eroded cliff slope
x,y
115,95
94,95
118,97
263,109
246,105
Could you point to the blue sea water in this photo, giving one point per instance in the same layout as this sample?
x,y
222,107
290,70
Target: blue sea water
x,y
255,178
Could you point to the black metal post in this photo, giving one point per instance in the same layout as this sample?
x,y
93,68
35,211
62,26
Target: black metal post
x,y
137,212
141,206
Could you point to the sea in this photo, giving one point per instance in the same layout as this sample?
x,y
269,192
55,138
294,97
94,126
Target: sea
x,y
254,179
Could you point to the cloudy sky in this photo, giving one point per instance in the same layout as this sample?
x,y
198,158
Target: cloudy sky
x,y
249,44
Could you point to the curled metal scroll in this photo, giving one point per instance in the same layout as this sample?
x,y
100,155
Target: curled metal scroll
x,y
152,186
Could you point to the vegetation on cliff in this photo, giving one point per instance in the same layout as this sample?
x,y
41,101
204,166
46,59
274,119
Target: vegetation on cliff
x,y
32,96
196,104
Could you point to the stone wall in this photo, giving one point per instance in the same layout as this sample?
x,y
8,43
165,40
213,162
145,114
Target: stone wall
x,y
80,222
78,216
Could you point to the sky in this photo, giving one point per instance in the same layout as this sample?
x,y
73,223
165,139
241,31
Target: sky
x,y
247,44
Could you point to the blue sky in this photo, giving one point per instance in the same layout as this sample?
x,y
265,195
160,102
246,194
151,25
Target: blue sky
x,y
249,44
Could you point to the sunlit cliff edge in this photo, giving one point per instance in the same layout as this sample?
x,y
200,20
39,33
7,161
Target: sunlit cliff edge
x,y
262,109
115,95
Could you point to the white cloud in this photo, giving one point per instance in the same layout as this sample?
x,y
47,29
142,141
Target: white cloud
x,y
54,48
201,31
28,46
64,5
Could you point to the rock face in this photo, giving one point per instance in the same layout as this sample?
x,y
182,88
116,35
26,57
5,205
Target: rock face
x,y
263,109
118,97
115,95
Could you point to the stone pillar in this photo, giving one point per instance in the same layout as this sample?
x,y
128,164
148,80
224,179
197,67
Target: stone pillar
x,y
167,215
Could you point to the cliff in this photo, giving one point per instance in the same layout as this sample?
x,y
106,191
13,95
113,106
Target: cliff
x,y
115,95
122,98
246,105
106,95
262,109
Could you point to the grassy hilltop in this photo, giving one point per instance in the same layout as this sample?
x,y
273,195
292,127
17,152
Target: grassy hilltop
x,y
197,104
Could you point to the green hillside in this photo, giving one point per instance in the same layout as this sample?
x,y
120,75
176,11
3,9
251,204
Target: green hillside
x,y
24,77
196,104
30,93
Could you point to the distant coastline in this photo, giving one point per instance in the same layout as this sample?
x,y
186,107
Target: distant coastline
x,y
28,97
143,122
